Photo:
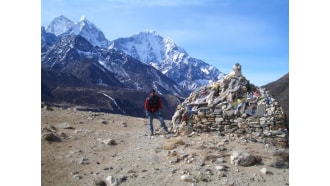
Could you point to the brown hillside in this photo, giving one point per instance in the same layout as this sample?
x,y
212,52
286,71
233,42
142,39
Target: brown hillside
x,y
280,90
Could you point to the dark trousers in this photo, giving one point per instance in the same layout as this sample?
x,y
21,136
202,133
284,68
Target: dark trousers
x,y
157,115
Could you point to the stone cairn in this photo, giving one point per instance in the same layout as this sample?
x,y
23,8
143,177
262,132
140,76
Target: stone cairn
x,y
233,106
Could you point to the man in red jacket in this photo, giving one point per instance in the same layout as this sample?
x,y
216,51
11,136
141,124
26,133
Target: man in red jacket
x,y
153,106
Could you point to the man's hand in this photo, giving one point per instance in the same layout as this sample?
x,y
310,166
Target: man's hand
x,y
147,113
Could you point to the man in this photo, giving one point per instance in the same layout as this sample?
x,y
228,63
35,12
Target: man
x,y
153,106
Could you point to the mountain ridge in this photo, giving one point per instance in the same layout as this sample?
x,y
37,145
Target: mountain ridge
x,y
72,74
162,53
72,57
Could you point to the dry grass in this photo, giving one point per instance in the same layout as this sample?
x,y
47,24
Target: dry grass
x,y
172,143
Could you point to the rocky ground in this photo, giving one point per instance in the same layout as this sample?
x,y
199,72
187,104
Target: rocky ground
x,y
89,148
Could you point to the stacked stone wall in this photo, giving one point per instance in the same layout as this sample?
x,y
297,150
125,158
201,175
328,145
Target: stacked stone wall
x,y
234,106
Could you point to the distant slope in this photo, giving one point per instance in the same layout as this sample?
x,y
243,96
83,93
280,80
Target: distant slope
x,y
280,90
64,89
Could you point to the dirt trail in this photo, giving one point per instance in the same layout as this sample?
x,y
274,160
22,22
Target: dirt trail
x,y
97,146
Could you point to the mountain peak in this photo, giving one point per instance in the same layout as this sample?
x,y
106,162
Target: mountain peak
x,y
148,31
83,18
84,21
61,17
169,58
147,34
153,49
60,25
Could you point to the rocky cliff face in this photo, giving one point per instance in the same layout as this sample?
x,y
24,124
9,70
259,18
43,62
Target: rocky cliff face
x,y
169,58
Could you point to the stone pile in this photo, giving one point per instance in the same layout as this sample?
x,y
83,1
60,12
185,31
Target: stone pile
x,y
233,106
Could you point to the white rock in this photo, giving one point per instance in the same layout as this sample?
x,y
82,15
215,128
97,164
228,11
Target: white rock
x,y
242,158
264,170
187,178
220,167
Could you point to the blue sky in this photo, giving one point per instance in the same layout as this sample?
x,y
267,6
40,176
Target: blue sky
x,y
254,33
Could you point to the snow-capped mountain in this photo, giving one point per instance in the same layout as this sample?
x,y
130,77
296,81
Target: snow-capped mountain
x,y
75,72
148,47
107,67
63,26
60,25
81,67
171,59
47,40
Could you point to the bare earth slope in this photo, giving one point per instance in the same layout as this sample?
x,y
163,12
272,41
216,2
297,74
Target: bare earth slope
x,y
280,90
87,148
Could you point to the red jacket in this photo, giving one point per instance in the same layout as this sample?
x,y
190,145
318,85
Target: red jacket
x,y
148,106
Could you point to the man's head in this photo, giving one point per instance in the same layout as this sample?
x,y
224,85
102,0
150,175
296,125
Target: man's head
x,y
152,92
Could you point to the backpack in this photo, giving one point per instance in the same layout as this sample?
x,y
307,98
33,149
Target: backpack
x,y
153,102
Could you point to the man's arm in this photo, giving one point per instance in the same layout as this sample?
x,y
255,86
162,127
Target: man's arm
x,y
146,105
160,105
